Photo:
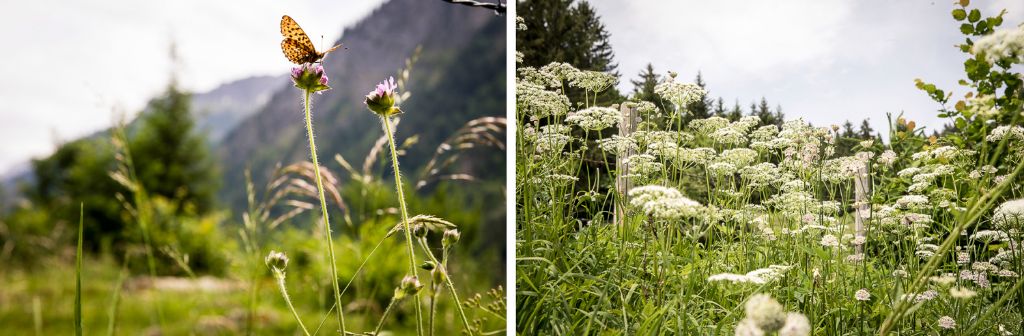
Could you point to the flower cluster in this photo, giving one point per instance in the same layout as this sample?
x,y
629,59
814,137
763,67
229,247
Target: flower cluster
x,y
680,94
765,315
310,77
759,276
663,202
1004,43
595,118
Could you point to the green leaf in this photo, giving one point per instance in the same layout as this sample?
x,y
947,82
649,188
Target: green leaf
x,y
974,16
959,14
995,21
967,28
982,27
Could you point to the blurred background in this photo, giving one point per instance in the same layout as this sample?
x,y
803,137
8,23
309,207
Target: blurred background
x,y
195,97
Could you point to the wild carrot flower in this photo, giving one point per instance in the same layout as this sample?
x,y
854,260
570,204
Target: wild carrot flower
x,y
1003,43
593,81
663,202
862,295
1009,215
946,322
829,240
595,118
747,327
537,102
619,145
382,99
1006,132
680,94
887,158
796,325
310,77
766,313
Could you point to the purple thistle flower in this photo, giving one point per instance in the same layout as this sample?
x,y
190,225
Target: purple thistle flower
x,y
382,99
310,77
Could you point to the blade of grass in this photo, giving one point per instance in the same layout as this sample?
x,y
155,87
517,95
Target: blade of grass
x,y
78,273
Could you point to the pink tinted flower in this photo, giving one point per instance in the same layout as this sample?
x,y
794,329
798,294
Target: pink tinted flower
x,y
382,99
310,77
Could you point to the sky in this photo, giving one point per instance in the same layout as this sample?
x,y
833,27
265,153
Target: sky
x,y
71,68
826,61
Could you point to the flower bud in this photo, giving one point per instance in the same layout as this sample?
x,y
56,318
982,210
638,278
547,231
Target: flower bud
x,y
410,285
450,237
310,77
382,99
276,260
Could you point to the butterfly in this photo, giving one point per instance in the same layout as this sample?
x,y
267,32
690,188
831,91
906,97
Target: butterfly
x,y
296,44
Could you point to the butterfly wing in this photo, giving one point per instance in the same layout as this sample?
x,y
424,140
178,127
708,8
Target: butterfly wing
x,y
297,52
297,46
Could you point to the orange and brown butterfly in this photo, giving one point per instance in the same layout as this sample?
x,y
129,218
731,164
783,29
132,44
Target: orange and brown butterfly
x,y
296,44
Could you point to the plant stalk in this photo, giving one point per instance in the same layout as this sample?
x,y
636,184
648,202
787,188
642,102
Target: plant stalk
x,y
405,217
323,208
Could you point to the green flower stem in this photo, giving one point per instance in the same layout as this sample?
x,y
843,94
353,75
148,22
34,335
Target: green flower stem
x,y
387,311
974,211
78,272
442,267
279,275
405,217
323,208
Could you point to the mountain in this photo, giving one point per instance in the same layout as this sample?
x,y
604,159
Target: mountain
x,y
459,76
218,111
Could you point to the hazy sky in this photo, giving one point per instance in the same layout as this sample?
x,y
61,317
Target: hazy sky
x,y
826,61
67,65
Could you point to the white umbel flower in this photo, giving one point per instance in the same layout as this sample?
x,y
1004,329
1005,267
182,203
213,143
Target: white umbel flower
x,y
1009,215
862,295
946,322
595,118
1001,44
796,325
766,313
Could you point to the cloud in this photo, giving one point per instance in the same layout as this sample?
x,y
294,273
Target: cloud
x,y
825,61
68,64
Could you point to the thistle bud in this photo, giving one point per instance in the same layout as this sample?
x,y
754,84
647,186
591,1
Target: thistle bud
x,y
419,231
450,237
409,286
277,261
310,77
382,99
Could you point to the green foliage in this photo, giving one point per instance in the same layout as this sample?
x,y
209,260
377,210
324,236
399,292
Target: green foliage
x,y
643,87
173,166
172,160
567,31
679,244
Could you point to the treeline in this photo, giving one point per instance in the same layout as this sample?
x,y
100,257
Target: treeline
x,y
170,161
570,31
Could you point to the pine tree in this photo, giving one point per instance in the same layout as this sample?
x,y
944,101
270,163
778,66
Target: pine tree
x,y
171,159
699,109
736,113
780,118
866,132
567,31
643,87
719,110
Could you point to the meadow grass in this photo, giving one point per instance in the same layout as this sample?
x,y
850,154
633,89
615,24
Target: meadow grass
x,y
714,226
